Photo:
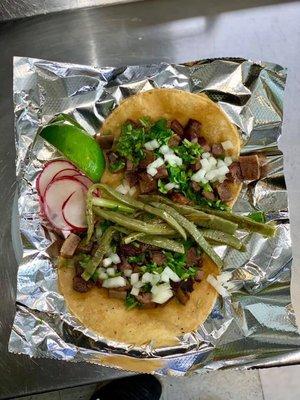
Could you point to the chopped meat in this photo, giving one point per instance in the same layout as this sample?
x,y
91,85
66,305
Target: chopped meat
x,y
146,300
113,158
105,141
132,178
217,150
162,173
149,158
129,165
195,186
203,143
80,285
187,286
180,198
192,258
182,296
197,165
200,262
129,250
224,191
208,195
124,264
117,294
192,130
78,269
199,276
84,247
235,173
250,167
69,246
99,283
147,183
158,258
174,140
177,127
54,249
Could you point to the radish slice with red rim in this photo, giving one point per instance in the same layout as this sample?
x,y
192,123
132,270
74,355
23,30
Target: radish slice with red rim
x,y
56,196
84,180
49,171
74,210
65,172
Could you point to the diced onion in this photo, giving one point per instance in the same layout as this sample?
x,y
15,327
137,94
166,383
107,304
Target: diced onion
x,y
155,279
217,285
115,258
173,160
212,162
211,174
223,170
151,171
220,163
138,284
205,155
122,189
227,145
134,278
161,293
110,271
102,274
117,281
227,161
171,185
107,262
147,277
199,175
127,272
156,163
205,164
168,274
165,149
135,291
151,145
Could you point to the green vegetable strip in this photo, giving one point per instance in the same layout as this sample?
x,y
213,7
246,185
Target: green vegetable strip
x,y
198,217
131,202
115,205
134,224
89,215
243,223
222,238
133,237
103,249
193,231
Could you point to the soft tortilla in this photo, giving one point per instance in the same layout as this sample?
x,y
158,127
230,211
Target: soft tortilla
x,y
108,317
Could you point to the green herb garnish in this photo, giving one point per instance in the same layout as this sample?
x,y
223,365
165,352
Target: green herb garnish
x,y
131,143
258,216
116,166
131,302
188,151
177,262
162,187
152,268
136,259
159,131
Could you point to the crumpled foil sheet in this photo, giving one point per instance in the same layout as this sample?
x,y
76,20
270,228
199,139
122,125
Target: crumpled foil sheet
x,y
256,326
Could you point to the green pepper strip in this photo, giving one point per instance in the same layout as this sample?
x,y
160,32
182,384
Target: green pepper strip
x,y
102,249
134,224
158,241
115,205
193,231
222,238
200,218
89,215
133,237
131,202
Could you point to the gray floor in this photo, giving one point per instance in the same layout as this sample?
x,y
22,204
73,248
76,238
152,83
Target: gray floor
x,y
269,384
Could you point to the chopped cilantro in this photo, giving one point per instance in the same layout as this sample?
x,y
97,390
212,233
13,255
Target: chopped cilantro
x,y
258,216
131,143
179,176
146,288
177,262
146,122
159,131
131,302
136,259
207,187
162,187
152,268
117,166
188,151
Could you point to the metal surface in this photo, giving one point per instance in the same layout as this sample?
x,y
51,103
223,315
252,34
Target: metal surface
x,y
135,33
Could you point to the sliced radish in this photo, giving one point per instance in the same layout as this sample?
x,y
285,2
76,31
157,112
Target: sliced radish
x,y
65,172
84,180
56,195
49,171
74,210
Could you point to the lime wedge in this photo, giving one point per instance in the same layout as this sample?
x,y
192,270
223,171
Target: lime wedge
x,y
78,147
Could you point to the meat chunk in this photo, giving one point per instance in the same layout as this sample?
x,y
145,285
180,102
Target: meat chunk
x,y
114,158
80,285
197,165
105,141
129,250
182,296
177,127
217,150
192,258
208,195
124,264
199,275
224,191
84,247
162,173
158,257
203,143
180,198
235,173
132,178
149,158
117,294
192,130
69,246
129,165
146,300
174,140
187,286
250,167
147,183
195,186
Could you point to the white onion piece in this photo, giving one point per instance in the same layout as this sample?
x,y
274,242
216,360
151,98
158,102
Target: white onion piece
x,y
110,271
117,281
223,170
171,185
173,160
220,163
222,179
156,163
148,146
107,262
135,291
151,145
212,162
169,274
122,189
227,145
151,171
165,149
127,272
217,285
147,277
161,293
205,164
205,155
211,174
199,175
138,284
155,279
134,278
115,258
102,276
227,161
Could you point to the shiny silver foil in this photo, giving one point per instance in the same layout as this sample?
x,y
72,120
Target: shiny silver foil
x,y
256,325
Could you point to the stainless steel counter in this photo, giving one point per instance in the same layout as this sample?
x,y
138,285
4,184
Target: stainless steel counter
x,y
134,33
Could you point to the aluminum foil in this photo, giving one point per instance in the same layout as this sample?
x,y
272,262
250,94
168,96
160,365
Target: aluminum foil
x,y
256,326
